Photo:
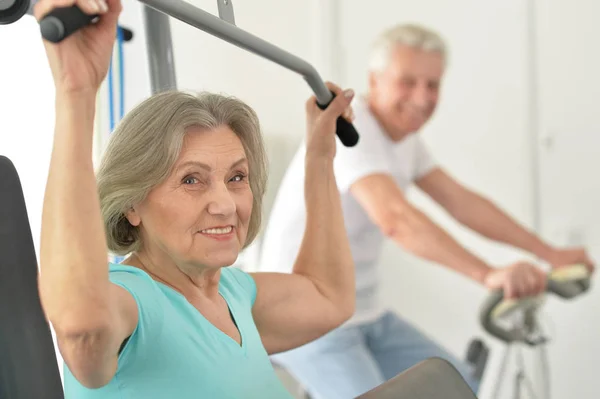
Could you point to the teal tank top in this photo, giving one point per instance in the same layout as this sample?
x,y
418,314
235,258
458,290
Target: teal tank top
x,y
175,353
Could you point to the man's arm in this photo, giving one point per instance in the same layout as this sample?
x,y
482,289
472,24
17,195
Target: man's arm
x,y
480,214
387,207
484,217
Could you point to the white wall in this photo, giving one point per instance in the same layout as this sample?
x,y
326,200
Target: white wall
x,y
206,63
569,189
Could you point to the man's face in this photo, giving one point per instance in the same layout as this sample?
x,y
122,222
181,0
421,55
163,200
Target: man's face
x,y
405,94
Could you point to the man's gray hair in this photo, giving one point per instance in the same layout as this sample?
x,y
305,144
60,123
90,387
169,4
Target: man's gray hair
x,y
411,35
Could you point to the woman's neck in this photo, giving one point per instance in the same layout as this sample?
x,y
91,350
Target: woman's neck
x,y
191,281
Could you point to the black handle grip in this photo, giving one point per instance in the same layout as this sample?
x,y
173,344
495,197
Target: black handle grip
x,y
127,33
346,132
344,129
64,21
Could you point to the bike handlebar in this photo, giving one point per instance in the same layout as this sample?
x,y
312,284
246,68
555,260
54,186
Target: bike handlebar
x,y
567,283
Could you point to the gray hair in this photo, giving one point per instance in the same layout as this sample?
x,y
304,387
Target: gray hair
x,y
146,144
411,35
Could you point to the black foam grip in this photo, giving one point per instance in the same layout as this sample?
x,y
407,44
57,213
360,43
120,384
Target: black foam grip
x,y
345,130
62,22
127,34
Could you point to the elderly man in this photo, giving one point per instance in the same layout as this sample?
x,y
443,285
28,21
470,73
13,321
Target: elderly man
x,y
405,73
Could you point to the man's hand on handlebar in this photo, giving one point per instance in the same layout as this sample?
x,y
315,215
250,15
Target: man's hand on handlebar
x,y
565,257
518,280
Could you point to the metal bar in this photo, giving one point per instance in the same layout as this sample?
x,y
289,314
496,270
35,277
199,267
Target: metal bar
x,y
160,50
502,371
226,11
545,372
213,25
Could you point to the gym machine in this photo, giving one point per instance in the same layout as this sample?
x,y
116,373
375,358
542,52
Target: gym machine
x,y
516,323
62,22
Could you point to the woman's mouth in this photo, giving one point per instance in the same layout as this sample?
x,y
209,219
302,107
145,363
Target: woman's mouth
x,y
218,233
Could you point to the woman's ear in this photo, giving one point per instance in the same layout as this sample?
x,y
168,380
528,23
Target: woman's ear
x,y
133,217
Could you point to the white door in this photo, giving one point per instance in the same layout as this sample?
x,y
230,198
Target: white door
x,y
569,188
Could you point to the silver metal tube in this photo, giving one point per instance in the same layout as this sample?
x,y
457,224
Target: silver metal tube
x,y
545,372
160,50
213,25
502,371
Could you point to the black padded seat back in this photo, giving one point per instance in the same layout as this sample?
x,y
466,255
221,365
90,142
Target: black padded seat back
x,y
28,364
433,378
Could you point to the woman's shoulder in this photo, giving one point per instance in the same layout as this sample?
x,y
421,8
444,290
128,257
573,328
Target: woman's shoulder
x,y
135,280
238,283
145,291
120,272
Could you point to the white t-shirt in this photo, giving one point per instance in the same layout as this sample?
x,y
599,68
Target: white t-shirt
x,y
375,153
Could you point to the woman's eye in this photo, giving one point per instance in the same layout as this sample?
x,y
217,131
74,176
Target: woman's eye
x,y
190,180
238,178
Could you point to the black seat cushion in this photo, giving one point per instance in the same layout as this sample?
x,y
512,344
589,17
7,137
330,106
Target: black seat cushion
x,y
28,363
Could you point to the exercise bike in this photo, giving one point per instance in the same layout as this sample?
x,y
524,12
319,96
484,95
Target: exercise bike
x,y
516,323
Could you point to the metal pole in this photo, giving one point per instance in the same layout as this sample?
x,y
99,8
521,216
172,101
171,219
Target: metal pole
x,y
160,50
213,25
545,372
502,372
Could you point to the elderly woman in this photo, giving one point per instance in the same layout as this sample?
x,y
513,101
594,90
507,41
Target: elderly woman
x,y
179,190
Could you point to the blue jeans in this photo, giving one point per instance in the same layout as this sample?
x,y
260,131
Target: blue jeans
x,y
350,361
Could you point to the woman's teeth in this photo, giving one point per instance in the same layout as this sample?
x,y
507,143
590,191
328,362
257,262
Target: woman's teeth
x,y
225,230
